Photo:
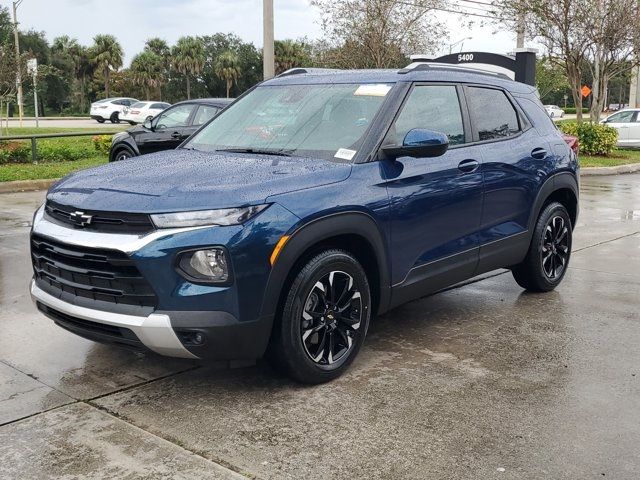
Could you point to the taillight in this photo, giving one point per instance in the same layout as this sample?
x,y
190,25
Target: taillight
x,y
573,142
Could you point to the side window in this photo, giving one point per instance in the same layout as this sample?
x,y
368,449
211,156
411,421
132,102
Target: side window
x,y
174,117
621,117
158,106
204,114
492,113
432,107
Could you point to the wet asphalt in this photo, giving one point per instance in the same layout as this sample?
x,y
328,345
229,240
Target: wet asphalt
x,y
481,381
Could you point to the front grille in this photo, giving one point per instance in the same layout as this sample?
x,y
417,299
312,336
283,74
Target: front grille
x,y
97,274
93,330
111,222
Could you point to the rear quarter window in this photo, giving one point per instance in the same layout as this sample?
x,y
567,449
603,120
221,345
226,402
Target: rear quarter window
x,y
538,115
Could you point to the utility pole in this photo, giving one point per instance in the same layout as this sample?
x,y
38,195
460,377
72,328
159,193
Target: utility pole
x,y
520,31
16,37
268,57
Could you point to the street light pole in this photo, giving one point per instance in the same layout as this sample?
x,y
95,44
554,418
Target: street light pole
x,y
268,57
16,37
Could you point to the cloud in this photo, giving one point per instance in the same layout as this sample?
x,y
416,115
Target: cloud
x,y
133,21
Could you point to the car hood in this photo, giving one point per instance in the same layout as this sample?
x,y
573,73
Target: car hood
x,y
180,180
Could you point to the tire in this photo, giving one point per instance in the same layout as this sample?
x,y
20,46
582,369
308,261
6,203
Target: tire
x,y
324,319
115,117
122,154
548,257
100,120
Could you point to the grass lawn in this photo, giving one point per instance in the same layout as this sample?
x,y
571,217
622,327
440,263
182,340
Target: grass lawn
x,y
618,157
47,170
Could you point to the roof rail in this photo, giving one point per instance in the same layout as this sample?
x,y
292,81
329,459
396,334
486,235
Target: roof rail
x,y
300,71
419,63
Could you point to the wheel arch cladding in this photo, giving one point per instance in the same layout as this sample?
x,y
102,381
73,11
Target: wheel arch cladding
x,y
354,232
563,188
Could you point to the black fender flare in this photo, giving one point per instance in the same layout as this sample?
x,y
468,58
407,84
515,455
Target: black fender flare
x,y
315,231
559,181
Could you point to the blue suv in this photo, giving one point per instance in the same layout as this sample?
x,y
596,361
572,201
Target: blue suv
x,y
316,201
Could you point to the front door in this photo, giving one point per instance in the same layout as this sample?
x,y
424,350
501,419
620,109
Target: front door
x,y
169,129
436,203
622,122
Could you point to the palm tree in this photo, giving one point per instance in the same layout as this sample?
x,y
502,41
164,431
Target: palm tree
x,y
146,70
227,68
79,57
106,54
187,57
160,48
290,54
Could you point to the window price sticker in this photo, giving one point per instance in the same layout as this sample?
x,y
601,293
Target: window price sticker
x,y
372,90
345,154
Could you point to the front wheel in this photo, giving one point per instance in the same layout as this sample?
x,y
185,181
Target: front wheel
x,y
324,319
115,117
547,260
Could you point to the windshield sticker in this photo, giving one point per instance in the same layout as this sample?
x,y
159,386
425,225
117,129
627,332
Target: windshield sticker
x,y
345,154
372,90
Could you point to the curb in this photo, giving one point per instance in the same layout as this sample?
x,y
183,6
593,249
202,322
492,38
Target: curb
x,y
592,171
32,185
26,185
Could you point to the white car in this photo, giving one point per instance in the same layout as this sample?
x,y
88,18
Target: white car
x,y
627,123
143,111
110,109
554,111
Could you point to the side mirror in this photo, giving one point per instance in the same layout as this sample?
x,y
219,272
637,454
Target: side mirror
x,y
148,124
419,142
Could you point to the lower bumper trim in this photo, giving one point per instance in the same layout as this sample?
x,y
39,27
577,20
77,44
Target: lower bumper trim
x,y
154,331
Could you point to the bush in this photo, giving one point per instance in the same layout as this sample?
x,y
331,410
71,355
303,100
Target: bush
x,y
595,139
102,143
15,152
574,110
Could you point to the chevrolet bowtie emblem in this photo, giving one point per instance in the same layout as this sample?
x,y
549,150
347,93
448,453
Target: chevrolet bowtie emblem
x,y
80,219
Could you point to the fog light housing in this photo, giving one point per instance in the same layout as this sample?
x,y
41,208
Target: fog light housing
x,y
210,265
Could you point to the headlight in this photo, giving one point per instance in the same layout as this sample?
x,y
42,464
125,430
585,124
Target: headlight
x,y
223,217
210,265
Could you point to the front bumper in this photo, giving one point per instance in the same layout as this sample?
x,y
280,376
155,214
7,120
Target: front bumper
x,y
154,331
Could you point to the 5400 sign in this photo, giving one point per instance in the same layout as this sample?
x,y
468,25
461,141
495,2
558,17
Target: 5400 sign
x,y
465,57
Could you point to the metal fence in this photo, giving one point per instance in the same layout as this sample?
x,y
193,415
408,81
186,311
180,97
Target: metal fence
x,y
35,137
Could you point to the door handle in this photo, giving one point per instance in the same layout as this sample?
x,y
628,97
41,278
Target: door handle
x,y
175,135
539,153
468,166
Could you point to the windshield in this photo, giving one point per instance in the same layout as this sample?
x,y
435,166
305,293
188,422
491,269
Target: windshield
x,y
322,121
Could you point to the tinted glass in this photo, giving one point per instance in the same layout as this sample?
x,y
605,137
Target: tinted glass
x,y
204,114
174,117
433,108
139,105
492,113
325,121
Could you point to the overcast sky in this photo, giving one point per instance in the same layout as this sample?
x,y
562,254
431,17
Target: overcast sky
x,y
133,21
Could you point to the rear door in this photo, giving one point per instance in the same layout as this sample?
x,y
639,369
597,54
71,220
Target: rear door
x,y
516,159
435,202
634,131
170,129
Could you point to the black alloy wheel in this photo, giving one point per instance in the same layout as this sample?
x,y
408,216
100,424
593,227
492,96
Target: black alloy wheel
x,y
331,318
554,252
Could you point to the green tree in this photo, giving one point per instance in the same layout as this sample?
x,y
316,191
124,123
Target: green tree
x,y
146,71
106,55
227,68
291,53
550,80
187,57
161,49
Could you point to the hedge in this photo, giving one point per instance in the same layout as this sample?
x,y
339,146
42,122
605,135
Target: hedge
x,y
58,150
595,139
574,110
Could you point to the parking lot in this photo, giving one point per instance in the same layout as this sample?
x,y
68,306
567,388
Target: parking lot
x,y
481,381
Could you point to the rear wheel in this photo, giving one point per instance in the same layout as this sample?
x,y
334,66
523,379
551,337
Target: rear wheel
x,y
100,120
324,319
115,117
547,261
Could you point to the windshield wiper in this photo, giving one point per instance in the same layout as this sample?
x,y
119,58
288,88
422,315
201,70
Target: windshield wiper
x,y
257,151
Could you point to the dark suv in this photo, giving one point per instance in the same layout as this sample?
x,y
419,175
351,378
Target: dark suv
x,y
167,130
316,201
